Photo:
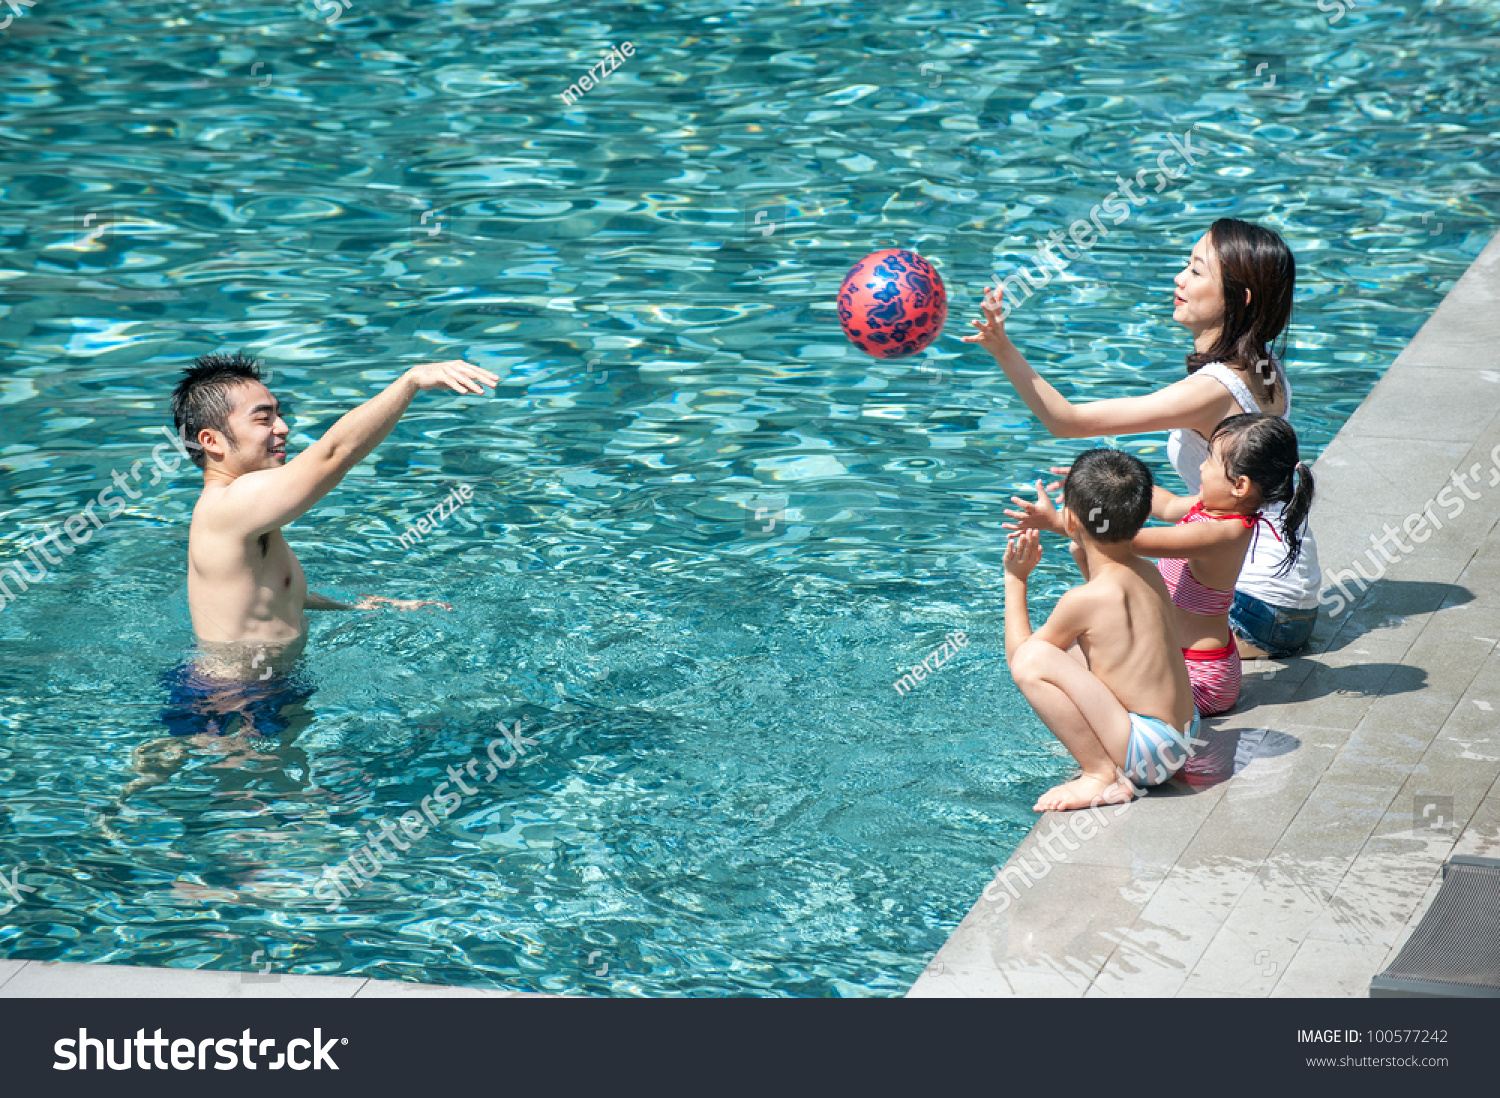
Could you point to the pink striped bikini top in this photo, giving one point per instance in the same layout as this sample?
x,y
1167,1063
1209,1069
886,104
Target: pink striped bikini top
x,y
1187,593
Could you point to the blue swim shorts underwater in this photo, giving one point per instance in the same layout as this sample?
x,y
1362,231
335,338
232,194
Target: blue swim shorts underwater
x,y
203,705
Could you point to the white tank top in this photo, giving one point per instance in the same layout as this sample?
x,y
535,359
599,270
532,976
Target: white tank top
x,y
1187,449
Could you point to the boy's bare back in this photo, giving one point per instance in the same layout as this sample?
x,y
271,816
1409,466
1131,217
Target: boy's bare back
x,y
1130,640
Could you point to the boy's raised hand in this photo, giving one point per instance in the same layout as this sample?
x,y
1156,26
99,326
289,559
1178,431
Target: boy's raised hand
x,y
1023,551
1041,515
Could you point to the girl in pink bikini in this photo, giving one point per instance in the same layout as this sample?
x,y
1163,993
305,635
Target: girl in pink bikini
x,y
1252,464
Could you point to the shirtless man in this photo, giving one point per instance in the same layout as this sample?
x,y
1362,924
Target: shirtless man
x,y
246,590
1119,699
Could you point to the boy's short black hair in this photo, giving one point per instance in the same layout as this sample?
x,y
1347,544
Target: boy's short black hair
x,y
1109,492
201,398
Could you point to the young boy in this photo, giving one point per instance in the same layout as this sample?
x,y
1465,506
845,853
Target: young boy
x,y
1119,698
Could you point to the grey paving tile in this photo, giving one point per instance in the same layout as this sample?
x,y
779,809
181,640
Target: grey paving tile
x,y
1149,837
1261,801
1340,689
65,980
9,969
1361,600
1355,475
1481,838
1038,980
1375,899
1479,583
1333,825
1323,968
1051,938
1426,524
1201,994
1267,681
1269,922
1378,758
1156,953
1427,403
1454,648
1428,814
1475,720
1397,732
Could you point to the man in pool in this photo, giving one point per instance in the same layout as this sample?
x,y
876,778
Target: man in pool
x,y
246,590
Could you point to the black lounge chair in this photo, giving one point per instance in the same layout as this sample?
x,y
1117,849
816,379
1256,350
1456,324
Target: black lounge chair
x,y
1455,950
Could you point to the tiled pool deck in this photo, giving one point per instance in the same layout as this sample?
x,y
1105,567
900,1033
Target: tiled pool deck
x,y
1304,872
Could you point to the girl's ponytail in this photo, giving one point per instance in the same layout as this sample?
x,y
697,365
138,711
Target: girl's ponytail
x,y
1294,518
1264,448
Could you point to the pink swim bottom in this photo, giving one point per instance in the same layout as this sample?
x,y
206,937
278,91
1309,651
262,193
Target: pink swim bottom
x,y
1215,674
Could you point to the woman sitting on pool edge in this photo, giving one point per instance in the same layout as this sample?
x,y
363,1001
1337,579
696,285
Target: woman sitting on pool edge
x,y
1235,297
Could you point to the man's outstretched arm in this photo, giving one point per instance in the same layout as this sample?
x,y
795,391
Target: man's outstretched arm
x,y
271,498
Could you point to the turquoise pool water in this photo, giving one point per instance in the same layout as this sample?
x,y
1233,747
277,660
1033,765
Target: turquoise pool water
x,y
726,794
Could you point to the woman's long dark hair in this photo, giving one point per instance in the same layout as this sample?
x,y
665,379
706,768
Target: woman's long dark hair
x,y
1264,448
1255,259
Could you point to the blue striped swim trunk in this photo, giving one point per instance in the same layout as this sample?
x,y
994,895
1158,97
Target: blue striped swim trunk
x,y
1156,750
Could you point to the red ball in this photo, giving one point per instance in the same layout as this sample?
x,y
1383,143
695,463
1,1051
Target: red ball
x,y
892,304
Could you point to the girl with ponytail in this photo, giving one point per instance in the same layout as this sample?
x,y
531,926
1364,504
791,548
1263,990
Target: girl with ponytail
x,y
1252,464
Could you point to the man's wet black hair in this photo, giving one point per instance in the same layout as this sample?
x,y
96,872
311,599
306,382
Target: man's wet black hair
x,y
201,398
1109,492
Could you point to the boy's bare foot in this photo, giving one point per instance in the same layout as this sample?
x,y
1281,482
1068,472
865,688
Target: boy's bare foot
x,y
1084,792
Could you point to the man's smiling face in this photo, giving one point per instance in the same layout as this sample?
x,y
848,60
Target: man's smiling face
x,y
257,433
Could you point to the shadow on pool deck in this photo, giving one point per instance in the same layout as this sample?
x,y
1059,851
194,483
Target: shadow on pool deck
x,y
1304,842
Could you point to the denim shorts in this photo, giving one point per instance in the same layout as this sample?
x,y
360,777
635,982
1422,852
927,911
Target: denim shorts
x,y
1277,630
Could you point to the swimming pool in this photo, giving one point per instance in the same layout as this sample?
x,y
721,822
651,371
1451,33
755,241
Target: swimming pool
x,y
705,536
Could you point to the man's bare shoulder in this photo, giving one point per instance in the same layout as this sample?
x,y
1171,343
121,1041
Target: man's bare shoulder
x,y
221,507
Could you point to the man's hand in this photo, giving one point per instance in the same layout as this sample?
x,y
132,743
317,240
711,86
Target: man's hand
x,y
1023,551
455,374
1041,515
371,602
991,335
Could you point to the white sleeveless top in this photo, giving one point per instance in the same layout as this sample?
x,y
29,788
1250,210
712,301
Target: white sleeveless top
x,y
1187,449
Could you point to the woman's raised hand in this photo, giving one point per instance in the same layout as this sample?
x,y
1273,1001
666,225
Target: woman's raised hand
x,y
991,334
